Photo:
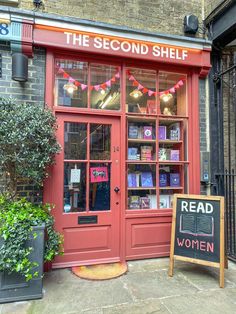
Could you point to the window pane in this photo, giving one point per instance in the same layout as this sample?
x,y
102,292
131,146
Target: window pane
x,y
172,89
100,141
105,80
140,91
75,140
74,187
71,83
99,191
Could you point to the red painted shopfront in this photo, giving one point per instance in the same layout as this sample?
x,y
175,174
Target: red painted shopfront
x,y
128,124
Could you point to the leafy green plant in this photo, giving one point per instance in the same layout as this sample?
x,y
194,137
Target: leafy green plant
x,y
27,142
17,219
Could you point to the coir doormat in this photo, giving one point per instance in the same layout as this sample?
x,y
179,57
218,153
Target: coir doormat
x,y
100,272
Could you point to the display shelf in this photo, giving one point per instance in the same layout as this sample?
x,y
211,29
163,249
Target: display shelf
x,y
140,140
140,162
171,162
141,188
140,118
170,141
171,188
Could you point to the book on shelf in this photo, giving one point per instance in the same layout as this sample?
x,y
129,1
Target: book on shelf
x,y
145,202
174,154
164,154
134,202
133,131
147,132
133,153
162,132
138,176
163,179
174,131
132,183
153,200
164,201
146,180
146,152
175,179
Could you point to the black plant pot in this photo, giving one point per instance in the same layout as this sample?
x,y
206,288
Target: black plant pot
x,y
13,287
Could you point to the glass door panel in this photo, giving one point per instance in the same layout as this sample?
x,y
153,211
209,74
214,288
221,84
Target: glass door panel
x,y
100,142
75,141
99,189
74,187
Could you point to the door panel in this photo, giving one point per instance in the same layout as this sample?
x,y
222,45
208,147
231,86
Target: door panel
x,y
87,209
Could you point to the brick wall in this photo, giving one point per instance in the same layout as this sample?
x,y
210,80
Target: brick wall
x,y
29,92
204,122
210,5
153,15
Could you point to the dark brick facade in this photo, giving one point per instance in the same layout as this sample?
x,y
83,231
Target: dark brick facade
x,y
29,92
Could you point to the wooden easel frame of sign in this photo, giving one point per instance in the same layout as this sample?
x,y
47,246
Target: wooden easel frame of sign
x,y
200,244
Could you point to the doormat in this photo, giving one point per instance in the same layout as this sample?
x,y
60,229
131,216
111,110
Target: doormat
x,y
100,272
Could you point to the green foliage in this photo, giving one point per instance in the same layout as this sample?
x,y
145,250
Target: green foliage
x,y
27,141
16,222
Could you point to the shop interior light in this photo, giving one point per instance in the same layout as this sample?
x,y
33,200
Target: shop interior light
x,y
136,93
103,92
70,88
166,97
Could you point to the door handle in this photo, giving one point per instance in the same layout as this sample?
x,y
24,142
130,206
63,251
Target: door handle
x,y
116,189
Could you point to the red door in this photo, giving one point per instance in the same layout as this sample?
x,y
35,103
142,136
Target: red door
x,y
84,186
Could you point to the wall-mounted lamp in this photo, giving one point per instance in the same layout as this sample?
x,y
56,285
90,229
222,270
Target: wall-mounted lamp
x,y
190,24
37,3
19,67
70,88
166,97
136,93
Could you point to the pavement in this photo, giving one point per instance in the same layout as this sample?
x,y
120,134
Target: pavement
x,y
144,289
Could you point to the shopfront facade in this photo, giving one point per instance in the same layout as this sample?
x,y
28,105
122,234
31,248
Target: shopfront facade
x,y
127,106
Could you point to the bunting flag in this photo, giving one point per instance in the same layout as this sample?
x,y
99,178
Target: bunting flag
x,y
97,87
107,84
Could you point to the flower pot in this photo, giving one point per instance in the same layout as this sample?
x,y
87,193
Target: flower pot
x,y
13,287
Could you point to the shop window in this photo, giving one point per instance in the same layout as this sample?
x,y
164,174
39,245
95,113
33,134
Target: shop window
x,y
105,87
157,159
75,87
71,83
172,93
140,91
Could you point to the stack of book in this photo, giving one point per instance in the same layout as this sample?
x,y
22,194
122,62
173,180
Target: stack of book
x,y
141,202
134,202
133,153
146,153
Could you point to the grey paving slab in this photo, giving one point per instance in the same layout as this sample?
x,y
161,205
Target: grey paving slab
x,y
80,295
15,308
157,284
149,265
210,302
150,306
201,277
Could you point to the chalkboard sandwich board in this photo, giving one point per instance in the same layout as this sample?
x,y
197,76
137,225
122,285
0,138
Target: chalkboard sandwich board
x,y
197,234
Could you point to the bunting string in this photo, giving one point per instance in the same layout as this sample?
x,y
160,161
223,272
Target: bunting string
x,y
113,80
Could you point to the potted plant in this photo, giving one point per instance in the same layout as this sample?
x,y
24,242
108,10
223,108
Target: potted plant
x,y
24,249
27,148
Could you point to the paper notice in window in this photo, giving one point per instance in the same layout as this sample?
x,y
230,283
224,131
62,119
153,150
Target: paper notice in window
x,y
75,176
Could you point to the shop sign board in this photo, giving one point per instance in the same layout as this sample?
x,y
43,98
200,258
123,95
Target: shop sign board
x,y
198,231
117,46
